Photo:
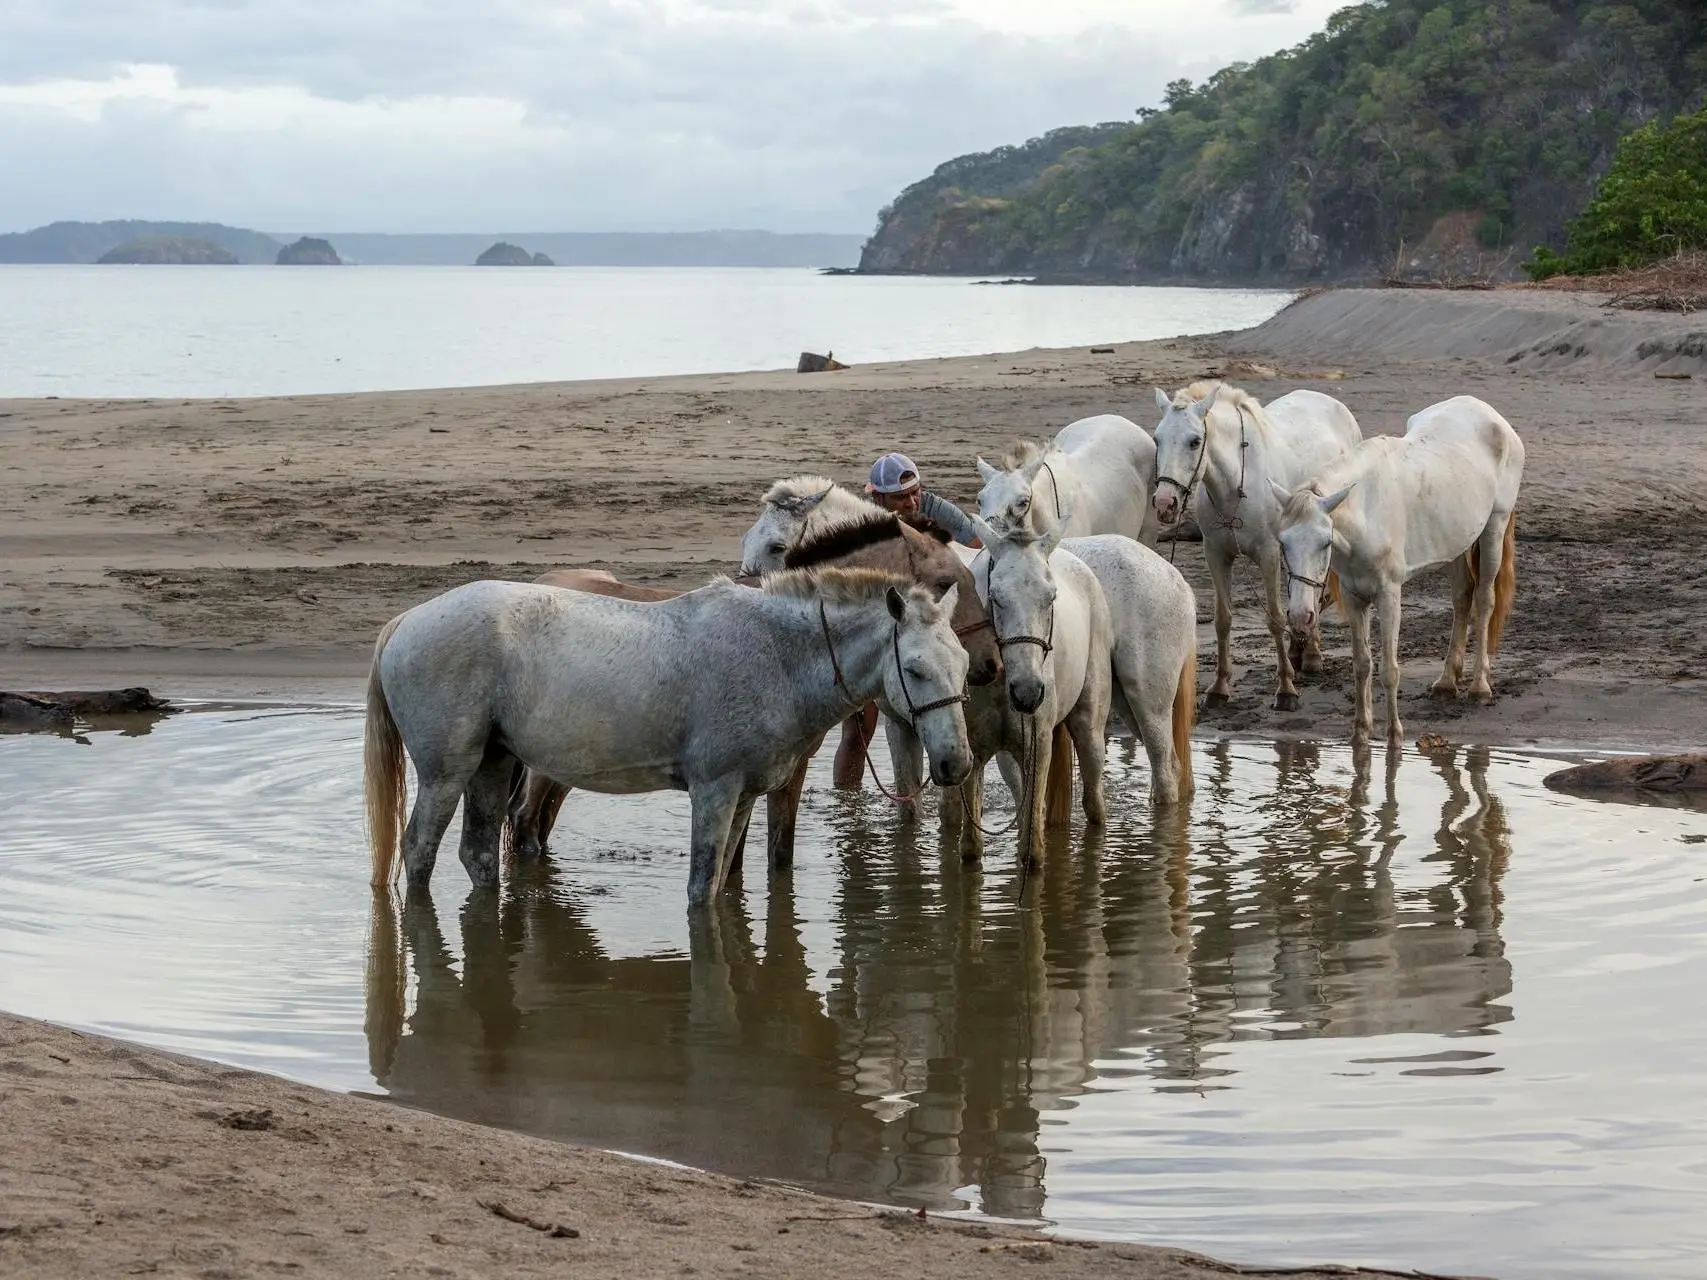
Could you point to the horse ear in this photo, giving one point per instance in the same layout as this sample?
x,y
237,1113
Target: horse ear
x,y
986,472
950,599
812,500
1030,469
1281,494
1332,500
1164,402
1202,407
897,604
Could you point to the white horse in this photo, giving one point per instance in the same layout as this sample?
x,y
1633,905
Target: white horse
x,y
717,692
1096,472
1052,622
1217,445
1443,492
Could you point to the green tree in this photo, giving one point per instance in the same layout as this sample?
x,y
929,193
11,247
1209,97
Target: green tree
x,y
1651,203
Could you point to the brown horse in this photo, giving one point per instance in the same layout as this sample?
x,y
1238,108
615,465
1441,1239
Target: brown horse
x,y
878,541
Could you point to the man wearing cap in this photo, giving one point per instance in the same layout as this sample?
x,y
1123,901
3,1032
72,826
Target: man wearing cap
x,y
895,487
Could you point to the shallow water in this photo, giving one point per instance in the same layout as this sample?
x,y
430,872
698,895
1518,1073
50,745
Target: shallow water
x,y
243,331
1433,1016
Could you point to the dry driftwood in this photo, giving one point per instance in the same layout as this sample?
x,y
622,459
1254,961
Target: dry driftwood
x,y
1635,773
812,362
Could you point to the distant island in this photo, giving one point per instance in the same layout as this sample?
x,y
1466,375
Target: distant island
x,y
505,254
87,241
309,252
170,251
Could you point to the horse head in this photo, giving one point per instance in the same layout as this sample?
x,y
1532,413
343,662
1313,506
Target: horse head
x,y
936,566
781,520
1308,540
1182,448
926,678
1006,499
1021,594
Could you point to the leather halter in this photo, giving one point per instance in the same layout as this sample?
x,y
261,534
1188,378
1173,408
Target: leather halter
x,y
1233,521
914,710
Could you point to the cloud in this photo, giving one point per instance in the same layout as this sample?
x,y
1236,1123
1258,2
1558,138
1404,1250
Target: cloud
x,y
544,114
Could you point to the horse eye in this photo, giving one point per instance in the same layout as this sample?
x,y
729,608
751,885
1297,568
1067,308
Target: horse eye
x,y
1197,442
943,584
779,548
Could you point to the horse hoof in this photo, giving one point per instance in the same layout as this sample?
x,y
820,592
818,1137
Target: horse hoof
x,y
1482,697
1443,692
1212,700
1286,702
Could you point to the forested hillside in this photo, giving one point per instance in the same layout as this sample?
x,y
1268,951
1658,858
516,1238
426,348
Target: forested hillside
x,y
1448,128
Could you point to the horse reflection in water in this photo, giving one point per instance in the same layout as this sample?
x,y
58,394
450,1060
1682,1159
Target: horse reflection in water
x,y
953,1017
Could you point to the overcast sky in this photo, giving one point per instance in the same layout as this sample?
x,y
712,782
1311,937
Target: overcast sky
x,y
548,115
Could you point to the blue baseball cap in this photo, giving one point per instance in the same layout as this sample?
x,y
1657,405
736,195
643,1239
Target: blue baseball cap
x,y
894,473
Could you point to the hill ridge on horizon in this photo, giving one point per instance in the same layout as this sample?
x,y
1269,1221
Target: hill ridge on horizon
x,y
69,241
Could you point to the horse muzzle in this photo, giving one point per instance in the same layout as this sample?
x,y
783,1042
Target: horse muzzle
x,y
951,768
1167,510
1025,695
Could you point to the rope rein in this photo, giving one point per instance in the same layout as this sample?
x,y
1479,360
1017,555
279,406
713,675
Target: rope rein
x,y
914,710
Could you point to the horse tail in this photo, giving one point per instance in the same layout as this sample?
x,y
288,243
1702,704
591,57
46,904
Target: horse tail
x,y
1185,716
384,780
1058,789
1505,586
386,983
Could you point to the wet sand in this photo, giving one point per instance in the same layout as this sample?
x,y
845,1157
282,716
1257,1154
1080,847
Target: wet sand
x,y
120,1160
254,547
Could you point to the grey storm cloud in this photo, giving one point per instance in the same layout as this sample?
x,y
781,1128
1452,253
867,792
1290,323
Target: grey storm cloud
x,y
405,114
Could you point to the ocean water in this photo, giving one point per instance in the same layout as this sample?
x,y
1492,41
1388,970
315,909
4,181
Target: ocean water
x,y
244,331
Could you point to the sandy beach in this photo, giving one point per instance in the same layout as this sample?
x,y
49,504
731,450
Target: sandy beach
x,y
254,547
251,548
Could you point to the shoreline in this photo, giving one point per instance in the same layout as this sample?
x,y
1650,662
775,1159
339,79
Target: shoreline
x,y
254,546
131,1160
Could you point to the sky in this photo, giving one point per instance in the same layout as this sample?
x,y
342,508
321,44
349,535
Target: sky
x,y
564,115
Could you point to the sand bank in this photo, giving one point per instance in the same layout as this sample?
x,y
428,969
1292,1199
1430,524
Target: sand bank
x,y
118,1160
254,547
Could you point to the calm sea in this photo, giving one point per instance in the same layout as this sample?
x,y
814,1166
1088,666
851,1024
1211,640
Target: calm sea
x,y
243,331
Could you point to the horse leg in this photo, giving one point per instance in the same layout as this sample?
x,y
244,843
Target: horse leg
x,y
714,805
1491,550
1221,574
1090,740
972,816
782,808
440,786
1286,694
1463,590
1362,694
857,730
1031,803
907,761
1390,661
485,802
533,812
1153,724
735,846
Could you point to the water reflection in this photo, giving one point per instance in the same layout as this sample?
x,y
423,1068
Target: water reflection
x,y
962,1006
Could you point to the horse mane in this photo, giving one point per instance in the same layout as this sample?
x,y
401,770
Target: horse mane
x,y
1299,504
842,538
839,586
1237,397
794,488
1022,452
